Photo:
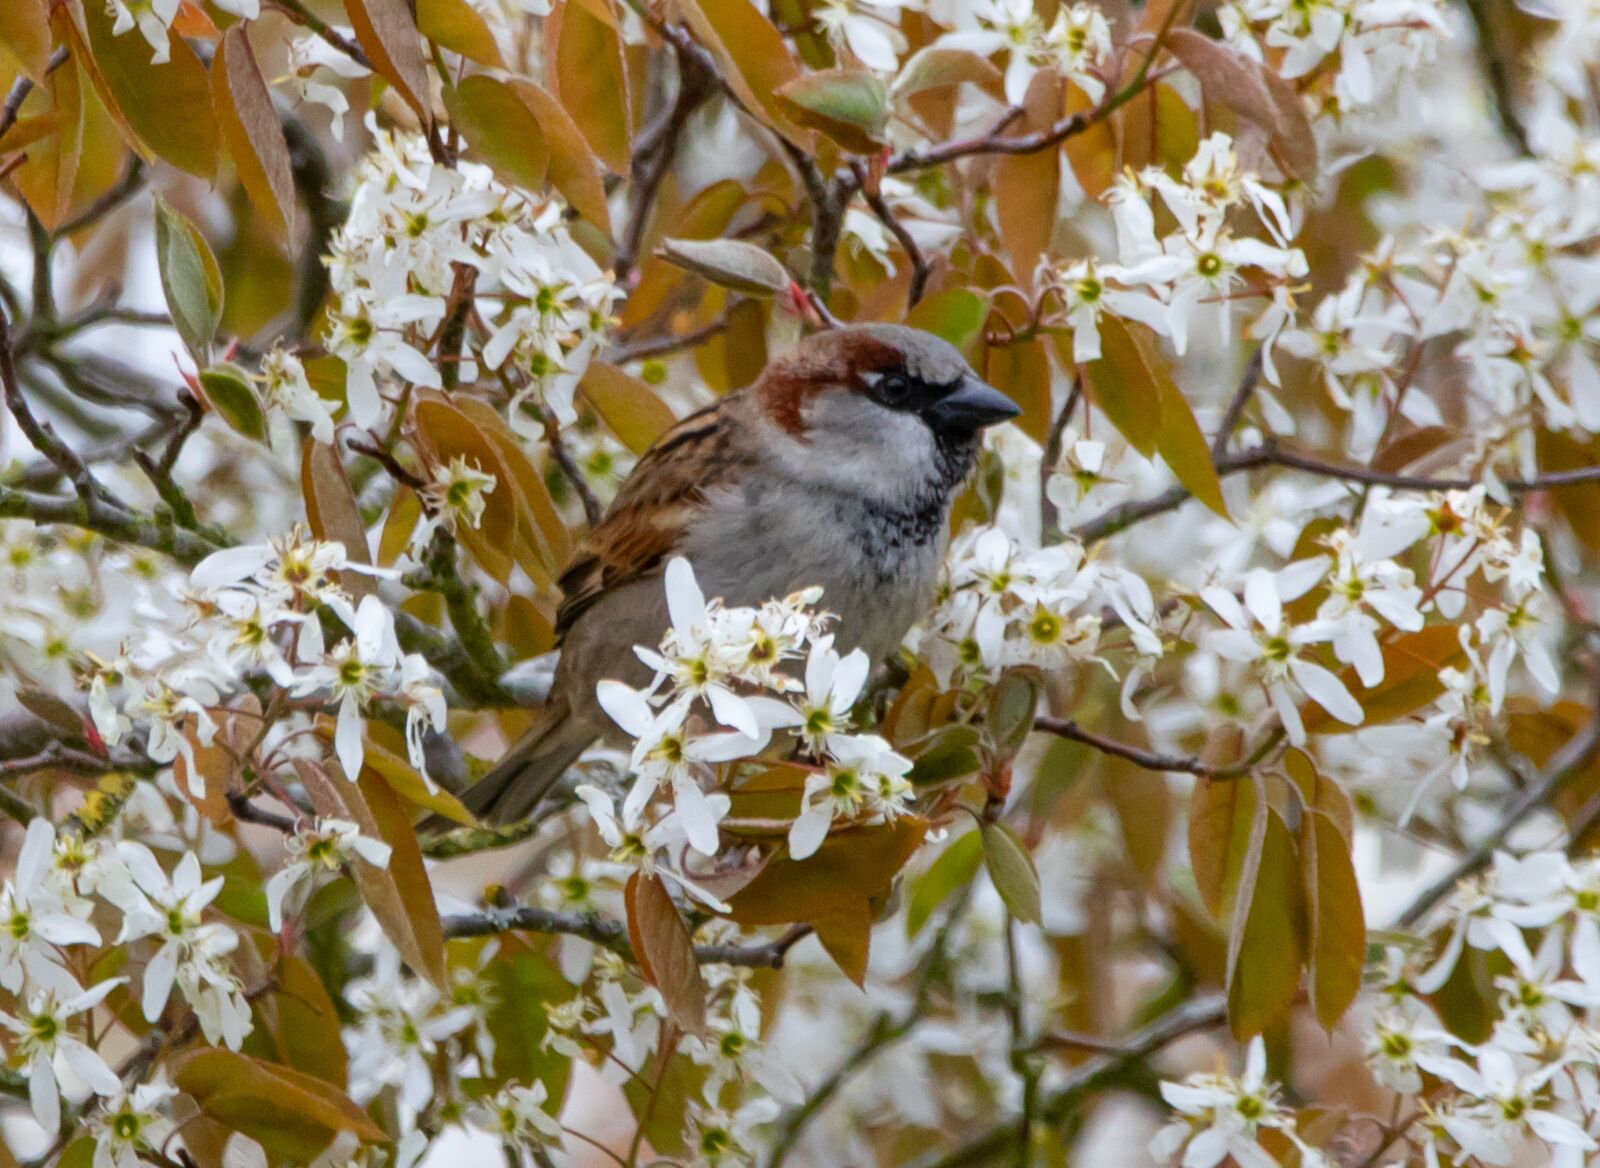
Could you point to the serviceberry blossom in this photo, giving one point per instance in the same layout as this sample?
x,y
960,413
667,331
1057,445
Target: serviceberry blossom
x,y
34,922
55,1060
131,1126
317,849
412,225
192,953
1219,1115
1258,634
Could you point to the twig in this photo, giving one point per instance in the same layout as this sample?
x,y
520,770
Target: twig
x,y
128,185
302,15
24,86
1088,1078
661,346
39,433
16,807
886,216
1052,454
1236,407
654,151
1149,760
442,574
1125,515
593,509
57,756
248,812
613,935
1494,68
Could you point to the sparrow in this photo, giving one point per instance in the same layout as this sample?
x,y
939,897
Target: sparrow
x,y
836,467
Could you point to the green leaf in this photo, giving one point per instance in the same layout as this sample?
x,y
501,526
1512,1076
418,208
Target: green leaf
x,y
457,26
1266,942
1012,871
952,869
629,408
292,1114
731,263
851,107
191,280
1013,701
1184,448
526,979
956,315
1337,925
500,129
228,391
934,67
1123,383
950,752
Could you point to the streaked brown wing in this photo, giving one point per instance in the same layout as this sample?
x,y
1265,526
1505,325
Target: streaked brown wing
x,y
652,509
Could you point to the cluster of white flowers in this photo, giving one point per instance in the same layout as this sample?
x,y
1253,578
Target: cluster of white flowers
x,y
1533,1078
1375,43
1370,594
47,905
1077,43
1162,281
256,610
423,240
1001,605
723,684
1220,1116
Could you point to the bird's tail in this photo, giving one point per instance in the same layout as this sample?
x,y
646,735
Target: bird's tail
x,y
510,792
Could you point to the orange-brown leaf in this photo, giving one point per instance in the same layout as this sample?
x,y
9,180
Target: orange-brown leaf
x,y
665,949
250,127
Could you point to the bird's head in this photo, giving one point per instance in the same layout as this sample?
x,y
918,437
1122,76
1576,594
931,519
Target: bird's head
x,y
880,375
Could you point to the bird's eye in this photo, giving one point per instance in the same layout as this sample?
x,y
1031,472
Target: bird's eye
x,y
893,387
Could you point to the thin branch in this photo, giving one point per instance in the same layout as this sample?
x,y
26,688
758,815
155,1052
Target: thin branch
x,y
58,757
129,184
613,935
654,151
300,14
442,574
1125,515
593,509
17,808
39,433
1236,407
1149,760
1089,1078
886,216
24,86
623,352
1494,68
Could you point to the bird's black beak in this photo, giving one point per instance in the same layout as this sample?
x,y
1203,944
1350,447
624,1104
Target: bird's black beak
x,y
971,406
